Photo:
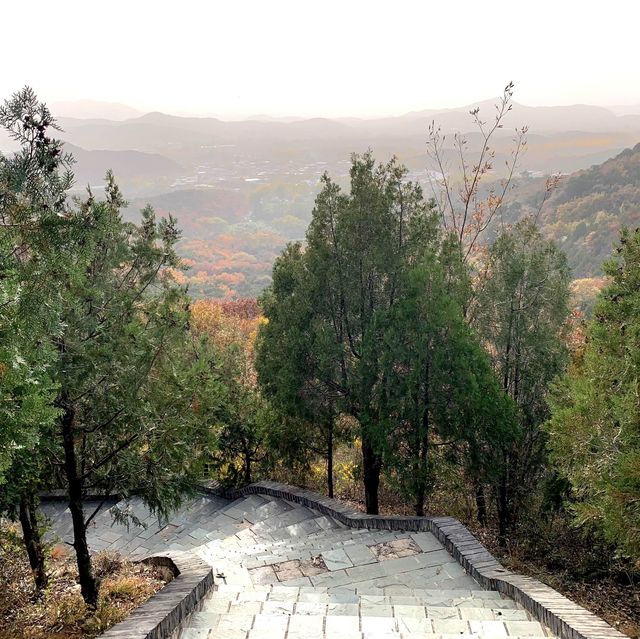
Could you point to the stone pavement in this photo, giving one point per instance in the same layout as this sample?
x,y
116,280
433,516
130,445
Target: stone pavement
x,y
287,572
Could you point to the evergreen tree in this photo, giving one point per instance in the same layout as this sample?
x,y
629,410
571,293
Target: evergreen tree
x,y
33,184
104,389
368,320
594,431
297,366
521,312
443,397
136,409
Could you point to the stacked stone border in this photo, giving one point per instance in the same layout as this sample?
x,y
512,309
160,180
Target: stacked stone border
x,y
565,618
163,614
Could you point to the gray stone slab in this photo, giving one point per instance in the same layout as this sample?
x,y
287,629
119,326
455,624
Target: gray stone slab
x,y
360,555
336,560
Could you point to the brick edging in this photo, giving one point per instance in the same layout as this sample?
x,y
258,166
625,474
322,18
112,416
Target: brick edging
x,y
565,618
162,614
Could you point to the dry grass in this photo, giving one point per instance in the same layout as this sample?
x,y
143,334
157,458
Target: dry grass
x,y
60,612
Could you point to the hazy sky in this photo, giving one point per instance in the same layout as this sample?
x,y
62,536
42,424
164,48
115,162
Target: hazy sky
x,y
335,57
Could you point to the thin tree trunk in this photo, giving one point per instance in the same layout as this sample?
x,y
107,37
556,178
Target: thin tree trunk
x,y
88,583
420,495
481,504
372,465
32,541
503,512
330,458
247,468
421,473
422,445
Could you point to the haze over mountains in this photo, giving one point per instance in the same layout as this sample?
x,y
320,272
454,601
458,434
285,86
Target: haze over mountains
x,y
242,188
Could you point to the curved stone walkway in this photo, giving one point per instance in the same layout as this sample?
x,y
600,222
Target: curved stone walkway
x,y
284,571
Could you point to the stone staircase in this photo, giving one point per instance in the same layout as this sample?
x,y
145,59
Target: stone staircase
x,y
287,572
284,571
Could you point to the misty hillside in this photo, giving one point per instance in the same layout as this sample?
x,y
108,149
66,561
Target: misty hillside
x,y
593,130
242,189
588,209
131,168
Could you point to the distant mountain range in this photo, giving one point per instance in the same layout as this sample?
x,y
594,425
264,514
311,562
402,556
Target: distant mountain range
x,y
543,119
242,189
159,131
93,109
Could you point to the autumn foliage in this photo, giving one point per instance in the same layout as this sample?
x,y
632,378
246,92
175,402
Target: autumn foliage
x,y
231,326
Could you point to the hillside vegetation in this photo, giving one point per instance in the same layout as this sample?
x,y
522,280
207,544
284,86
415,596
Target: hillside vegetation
x,y
588,209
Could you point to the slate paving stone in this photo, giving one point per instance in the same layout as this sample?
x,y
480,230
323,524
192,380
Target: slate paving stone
x,y
360,555
375,610
524,628
278,607
378,625
413,625
336,560
263,575
416,612
492,628
341,627
342,609
450,626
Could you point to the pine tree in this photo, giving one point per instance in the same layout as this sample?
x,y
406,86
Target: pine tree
x,y
594,430
108,392
33,184
367,321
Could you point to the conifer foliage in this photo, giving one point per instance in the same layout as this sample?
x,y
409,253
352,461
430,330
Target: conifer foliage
x,y
104,391
367,321
595,426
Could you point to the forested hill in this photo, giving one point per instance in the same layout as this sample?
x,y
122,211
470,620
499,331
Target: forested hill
x,y
588,208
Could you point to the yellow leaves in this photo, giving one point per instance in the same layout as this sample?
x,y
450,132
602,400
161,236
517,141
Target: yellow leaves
x,y
232,327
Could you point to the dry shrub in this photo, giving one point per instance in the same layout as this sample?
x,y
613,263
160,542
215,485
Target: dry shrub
x,y
61,612
16,583
59,552
107,563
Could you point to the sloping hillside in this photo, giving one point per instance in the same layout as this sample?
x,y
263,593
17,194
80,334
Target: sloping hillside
x,y
589,207
586,210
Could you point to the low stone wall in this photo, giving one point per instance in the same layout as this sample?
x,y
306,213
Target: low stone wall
x,y
565,618
164,612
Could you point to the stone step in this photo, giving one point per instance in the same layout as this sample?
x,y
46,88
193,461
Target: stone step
x,y
288,540
463,593
364,608
283,519
331,631
254,513
309,625
221,600
306,546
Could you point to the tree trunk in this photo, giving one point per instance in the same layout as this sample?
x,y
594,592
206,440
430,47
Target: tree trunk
x,y
32,541
420,495
372,464
88,583
422,445
247,468
481,504
421,469
330,459
503,513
